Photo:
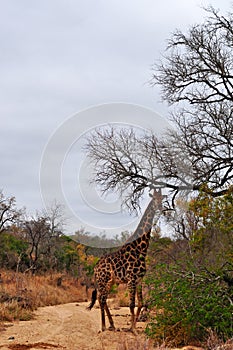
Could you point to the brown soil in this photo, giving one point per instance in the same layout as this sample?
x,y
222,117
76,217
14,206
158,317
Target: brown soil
x,y
71,327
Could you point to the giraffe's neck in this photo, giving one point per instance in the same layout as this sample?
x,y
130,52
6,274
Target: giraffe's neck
x,y
145,225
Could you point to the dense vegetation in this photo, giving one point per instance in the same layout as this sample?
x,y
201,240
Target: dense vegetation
x,y
191,278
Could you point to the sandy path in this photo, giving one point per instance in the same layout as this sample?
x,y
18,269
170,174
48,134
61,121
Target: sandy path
x,y
68,326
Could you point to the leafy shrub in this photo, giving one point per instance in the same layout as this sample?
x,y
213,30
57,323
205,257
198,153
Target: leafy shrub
x,y
191,277
11,248
188,305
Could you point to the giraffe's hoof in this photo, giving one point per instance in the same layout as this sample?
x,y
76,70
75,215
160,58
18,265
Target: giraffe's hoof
x,y
102,330
112,328
131,330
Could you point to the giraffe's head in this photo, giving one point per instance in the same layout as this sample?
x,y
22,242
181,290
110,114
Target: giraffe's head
x,y
157,197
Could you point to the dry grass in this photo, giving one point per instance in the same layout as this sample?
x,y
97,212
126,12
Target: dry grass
x,y
20,294
213,342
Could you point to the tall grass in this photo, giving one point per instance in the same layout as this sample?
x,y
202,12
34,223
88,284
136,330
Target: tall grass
x,y
20,294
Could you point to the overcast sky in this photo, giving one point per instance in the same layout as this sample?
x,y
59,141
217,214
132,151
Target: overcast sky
x,y
61,57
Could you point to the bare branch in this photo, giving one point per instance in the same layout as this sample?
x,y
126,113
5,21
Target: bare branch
x,y
9,214
199,65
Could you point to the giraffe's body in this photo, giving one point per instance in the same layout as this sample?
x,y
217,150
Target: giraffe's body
x,y
126,265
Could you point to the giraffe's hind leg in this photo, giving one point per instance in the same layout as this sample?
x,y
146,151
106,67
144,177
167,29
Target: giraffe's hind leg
x,y
104,307
108,287
102,302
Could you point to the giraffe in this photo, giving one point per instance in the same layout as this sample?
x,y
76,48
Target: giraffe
x,y
126,265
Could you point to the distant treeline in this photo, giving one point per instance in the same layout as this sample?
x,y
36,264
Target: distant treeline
x,y
38,243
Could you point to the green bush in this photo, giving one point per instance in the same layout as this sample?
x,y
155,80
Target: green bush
x,y
12,249
188,305
190,277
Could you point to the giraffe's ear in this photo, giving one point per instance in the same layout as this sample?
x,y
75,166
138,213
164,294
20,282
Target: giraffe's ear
x,y
154,192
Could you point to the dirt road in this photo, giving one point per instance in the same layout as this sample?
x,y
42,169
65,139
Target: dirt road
x,y
71,327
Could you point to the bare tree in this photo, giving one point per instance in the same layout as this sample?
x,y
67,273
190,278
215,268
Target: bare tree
x,y
42,233
56,219
35,231
197,73
9,214
199,65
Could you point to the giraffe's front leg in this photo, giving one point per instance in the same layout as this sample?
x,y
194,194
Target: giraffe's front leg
x,y
132,293
140,301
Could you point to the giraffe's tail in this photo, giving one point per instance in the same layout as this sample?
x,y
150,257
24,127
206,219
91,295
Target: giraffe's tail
x,y
93,299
